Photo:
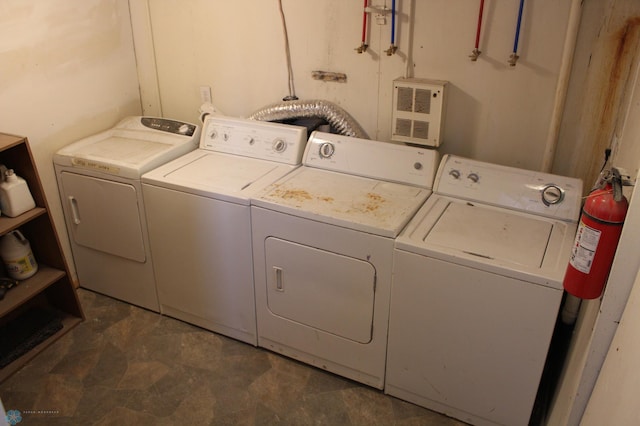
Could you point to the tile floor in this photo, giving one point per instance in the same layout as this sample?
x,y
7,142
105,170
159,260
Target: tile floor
x,y
129,366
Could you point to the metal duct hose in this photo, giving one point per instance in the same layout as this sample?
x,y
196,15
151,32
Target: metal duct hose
x,y
337,117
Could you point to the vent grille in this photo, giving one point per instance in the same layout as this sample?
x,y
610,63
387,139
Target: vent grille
x,y
418,111
423,101
405,99
421,129
403,127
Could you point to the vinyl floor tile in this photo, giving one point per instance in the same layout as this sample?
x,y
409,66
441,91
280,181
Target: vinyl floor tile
x,y
129,366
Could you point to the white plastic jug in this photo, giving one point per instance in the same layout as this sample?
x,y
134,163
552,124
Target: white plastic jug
x,y
17,256
15,197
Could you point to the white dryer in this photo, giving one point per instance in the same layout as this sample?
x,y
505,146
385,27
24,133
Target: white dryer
x,y
99,183
477,287
322,248
200,225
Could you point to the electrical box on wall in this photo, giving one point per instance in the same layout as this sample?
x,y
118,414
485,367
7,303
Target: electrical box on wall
x,y
418,111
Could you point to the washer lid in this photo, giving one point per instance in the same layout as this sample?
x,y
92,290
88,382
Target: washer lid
x,y
219,175
491,234
493,239
355,202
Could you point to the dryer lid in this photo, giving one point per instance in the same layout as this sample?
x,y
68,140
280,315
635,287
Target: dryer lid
x,y
129,149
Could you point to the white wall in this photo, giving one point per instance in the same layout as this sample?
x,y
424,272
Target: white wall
x,y
615,397
603,110
495,113
67,70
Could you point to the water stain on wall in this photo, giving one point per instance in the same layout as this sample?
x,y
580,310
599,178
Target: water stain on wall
x,y
611,68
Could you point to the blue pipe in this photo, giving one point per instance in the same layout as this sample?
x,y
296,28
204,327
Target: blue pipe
x,y
515,42
393,22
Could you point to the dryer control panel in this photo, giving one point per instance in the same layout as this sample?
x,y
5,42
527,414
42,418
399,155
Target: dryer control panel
x,y
373,159
264,140
554,196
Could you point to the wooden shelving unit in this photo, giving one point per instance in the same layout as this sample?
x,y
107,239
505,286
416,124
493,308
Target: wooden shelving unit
x,y
50,288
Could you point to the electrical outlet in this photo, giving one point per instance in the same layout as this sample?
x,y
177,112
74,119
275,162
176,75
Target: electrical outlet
x,y
205,94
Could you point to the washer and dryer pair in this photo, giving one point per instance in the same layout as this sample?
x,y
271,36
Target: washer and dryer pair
x,y
155,222
321,279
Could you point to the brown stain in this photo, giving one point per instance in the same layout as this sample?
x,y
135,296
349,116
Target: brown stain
x,y
617,59
374,202
293,194
299,195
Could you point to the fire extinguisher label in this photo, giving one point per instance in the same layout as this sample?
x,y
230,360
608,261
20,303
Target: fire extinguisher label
x,y
584,248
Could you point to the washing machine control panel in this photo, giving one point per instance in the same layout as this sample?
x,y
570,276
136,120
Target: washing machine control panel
x,y
256,139
374,159
536,192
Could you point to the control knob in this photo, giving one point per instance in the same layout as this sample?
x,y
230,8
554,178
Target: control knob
x,y
552,194
279,145
326,150
473,177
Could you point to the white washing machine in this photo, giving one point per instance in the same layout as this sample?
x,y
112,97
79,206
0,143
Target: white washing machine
x,y
99,183
200,224
477,287
322,248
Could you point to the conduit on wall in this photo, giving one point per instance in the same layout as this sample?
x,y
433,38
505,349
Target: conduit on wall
x,y
292,89
561,87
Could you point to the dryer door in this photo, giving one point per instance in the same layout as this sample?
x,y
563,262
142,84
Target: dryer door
x,y
326,291
103,215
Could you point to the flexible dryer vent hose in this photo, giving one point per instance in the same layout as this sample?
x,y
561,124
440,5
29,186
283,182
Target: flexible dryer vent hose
x,y
337,117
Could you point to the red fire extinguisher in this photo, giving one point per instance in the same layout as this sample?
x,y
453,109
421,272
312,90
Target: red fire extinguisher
x,y
596,239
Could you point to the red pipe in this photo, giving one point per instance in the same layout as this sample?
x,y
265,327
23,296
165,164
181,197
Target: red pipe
x,y
479,24
364,22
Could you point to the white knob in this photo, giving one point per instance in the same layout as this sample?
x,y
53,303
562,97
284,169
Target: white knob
x,y
279,145
474,177
326,150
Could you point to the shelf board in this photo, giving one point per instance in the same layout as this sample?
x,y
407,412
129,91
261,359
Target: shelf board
x,y
29,288
10,223
68,322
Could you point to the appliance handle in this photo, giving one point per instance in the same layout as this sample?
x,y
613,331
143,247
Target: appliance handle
x,y
73,204
277,274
